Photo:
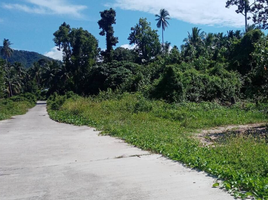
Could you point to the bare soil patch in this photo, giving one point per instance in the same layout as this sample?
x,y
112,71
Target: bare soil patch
x,y
219,134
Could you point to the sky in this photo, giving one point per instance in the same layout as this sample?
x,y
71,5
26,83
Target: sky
x,y
30,24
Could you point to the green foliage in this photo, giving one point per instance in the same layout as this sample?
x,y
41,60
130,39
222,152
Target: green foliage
x,y
242,52
112,75
6,51
78,45
105,23
146,41
174,57
256,81
241,162
80,50
55,101
31,98
123,54
209,66
16,105
2,82
14,78
193,46
84,48
169,87
182,83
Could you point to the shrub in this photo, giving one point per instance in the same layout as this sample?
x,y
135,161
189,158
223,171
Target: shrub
x,y
55,101
196,86
169,87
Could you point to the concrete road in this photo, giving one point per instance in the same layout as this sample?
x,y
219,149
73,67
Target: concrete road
x,y
43,159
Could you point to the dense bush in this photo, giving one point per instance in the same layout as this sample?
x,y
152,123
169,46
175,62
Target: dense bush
x,y
216,83
24,97
242,52
111,75
169,87
16,105
55,101
256,81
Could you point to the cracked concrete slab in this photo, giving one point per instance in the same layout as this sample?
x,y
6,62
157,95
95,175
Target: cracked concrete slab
x,y
43,159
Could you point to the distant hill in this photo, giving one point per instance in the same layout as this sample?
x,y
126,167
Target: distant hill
x,y
26,58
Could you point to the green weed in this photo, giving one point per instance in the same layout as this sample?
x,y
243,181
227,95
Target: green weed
x,y
16,105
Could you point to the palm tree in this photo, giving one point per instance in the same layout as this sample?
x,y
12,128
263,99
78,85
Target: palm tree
x,y
162,21
14,75
196,37
194,43
6,51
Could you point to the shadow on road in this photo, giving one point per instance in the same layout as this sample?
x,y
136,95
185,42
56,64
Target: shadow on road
x,y
41,103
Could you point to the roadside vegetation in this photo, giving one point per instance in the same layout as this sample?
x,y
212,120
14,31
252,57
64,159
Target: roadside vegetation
x,y
158,96
16,105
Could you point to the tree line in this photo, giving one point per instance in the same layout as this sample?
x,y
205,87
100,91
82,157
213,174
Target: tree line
x,y
207,67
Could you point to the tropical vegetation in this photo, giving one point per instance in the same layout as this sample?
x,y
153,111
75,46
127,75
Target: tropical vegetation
x,y
158,97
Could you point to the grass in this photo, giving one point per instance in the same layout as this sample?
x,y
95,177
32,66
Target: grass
x,y
9,108
242,163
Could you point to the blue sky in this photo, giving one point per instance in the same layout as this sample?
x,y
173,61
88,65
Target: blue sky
x,y
30,24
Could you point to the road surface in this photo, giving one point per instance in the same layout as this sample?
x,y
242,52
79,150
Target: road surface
x,y
43,159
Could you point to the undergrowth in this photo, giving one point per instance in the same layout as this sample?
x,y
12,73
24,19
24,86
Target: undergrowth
x,y
16,105
242,163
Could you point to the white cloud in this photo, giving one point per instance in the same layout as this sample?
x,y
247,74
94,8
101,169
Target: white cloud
x,y
128,46
24,8
54,53
206,12
59,7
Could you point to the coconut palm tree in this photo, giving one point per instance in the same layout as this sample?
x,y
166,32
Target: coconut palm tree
x,y
162,21
14,76
194,43
6,51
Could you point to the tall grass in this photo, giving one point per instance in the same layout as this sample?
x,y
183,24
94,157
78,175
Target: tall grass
x,y
169,128
16,105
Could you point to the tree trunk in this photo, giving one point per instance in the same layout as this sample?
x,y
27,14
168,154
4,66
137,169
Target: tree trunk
x,y
246,17
162,37
10,90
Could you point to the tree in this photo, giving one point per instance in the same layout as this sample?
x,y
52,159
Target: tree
x,y
243,7
194,43
243,50
123,54
260,13
84,53
80,49
2,83
146,40
166,48
14,76
62,41
84,48
162,21
6,51
106,22
174,57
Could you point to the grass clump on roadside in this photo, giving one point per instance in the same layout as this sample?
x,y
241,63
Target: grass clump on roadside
x,y
242,162
16,105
